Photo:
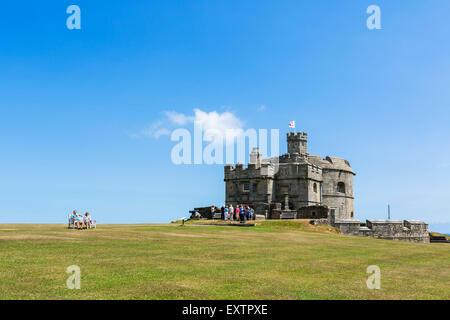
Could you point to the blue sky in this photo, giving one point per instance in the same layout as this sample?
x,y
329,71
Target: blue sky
x,y
74,103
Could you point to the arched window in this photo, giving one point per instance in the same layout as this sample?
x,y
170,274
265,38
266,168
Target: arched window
x,y
341,187
352,215
315,187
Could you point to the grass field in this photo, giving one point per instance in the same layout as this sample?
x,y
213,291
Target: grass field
x,y
274,260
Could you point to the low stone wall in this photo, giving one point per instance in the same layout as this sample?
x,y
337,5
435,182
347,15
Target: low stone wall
x,y
312,212
385,229
320,222
407,230
348,226
283,214
275,214
307,212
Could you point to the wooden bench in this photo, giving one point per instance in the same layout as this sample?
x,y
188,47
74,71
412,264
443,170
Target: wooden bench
x,y
71,224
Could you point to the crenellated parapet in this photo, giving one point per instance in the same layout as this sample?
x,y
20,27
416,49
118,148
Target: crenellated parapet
x,y
297,135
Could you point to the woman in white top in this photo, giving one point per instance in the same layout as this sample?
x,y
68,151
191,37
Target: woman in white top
x,y
87,220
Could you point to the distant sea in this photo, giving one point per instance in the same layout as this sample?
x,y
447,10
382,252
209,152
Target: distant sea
x,y
443,227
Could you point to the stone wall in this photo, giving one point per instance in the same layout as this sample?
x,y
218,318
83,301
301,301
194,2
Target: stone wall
x,y
283,214
348,227
320,222
407,230
312,212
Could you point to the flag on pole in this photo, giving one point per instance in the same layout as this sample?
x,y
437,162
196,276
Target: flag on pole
x,y
292,124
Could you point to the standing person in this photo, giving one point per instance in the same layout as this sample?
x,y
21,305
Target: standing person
x,y
237,213
231,211
241,214
226,213
222,213
213,212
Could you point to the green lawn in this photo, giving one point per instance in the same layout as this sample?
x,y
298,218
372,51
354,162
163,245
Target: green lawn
x,y
274,260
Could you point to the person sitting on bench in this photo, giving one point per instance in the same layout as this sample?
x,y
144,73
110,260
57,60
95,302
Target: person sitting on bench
x,y
75,219
79,222
87,220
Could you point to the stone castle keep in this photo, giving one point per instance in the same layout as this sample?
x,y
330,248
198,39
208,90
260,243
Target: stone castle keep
x,y
301,180
303,186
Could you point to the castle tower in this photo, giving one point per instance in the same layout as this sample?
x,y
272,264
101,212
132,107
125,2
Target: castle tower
x,y
255,157
297,143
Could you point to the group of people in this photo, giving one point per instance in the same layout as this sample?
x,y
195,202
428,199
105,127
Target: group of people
x,y
81,221
240,213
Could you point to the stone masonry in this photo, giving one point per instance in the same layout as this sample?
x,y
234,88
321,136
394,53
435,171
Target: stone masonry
x,y
407,230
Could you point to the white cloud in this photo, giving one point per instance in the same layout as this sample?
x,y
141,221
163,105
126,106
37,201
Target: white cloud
x,y
161,132
261,108
225,122
155,130
178,118
221,123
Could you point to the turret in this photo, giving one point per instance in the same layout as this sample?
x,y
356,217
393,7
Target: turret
x,y
297,143
255,157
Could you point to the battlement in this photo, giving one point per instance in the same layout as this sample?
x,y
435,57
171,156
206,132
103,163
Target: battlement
x,y
240,167
230,168
297,136
239,171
